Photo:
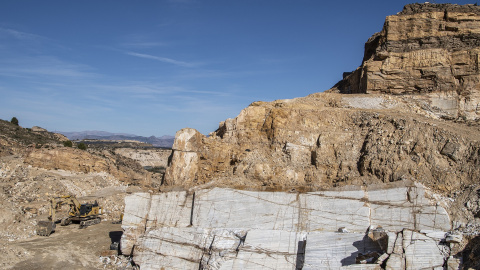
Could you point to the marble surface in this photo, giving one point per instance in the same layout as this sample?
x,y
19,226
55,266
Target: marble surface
x,y
238,229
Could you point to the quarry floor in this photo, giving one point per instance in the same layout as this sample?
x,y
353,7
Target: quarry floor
x,y
68,248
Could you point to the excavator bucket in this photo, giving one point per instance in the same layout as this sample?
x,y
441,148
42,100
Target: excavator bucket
x,y
45,228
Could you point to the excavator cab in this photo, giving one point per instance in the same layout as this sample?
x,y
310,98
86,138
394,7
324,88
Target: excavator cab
x,y
85,208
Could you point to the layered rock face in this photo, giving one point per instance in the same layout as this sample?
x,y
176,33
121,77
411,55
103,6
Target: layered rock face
x,y
387,226
326,140
428,49
428,53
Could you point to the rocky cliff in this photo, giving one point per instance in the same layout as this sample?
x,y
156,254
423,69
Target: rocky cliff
x,y
428,49
384,178
326,140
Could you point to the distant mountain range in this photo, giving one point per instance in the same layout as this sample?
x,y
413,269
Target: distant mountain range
x,y
164,141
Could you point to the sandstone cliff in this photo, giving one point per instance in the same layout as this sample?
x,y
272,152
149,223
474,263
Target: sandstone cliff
x,y
428,49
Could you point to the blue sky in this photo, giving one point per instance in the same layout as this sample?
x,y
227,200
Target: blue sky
x,y
155,67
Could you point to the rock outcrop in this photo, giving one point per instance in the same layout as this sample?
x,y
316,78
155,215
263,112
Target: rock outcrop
x,y
326,140
238,229
76,160
390,171
429,49
146,157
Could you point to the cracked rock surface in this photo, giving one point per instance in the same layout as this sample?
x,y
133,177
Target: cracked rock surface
x,y
223,228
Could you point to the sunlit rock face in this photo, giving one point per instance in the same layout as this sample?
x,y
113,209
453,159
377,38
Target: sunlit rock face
x,y
333,180
429,49
237,229
418,120
326,140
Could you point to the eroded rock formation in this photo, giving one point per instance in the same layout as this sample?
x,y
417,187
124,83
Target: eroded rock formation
x,y
430,49
326,140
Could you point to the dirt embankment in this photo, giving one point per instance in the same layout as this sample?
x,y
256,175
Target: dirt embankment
x,y
34,166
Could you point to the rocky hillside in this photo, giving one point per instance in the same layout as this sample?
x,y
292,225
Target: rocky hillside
x,y
326,140
331,139
14,138
411,116
163,141
427,49
35,165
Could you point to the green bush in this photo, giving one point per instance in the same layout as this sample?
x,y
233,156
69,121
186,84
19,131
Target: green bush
x,y
14,121
68,143
82,146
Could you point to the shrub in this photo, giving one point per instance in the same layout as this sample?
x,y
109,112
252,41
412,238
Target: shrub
x,y
14,121
68,143
82,146
156,169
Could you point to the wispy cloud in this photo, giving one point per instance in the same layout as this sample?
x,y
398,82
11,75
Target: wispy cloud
x,y
141,40
20,35
143,45
163,59
152,90
43,66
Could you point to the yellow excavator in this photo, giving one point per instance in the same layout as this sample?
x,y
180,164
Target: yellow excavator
x,y
85,214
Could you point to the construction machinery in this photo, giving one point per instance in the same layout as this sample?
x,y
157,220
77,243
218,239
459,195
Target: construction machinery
x,y
85,214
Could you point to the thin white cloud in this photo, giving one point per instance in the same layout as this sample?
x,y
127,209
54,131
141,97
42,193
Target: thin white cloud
x,y
20,35
143,45
43,66
162,59
153,91
214,93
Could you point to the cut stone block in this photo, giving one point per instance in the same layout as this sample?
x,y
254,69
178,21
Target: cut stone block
x,y
395,261
392,217
170,209
237,229
423,252
391,242
327,213
432,218
228,208
332,250
135,216
171,248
